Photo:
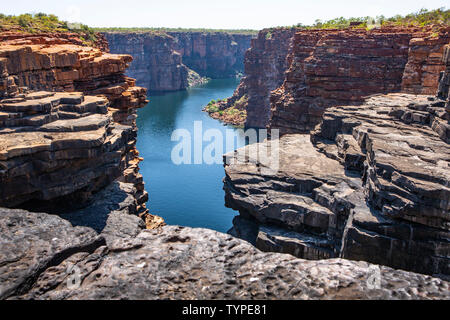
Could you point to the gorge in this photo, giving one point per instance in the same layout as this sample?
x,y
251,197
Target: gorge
x,y
167,61
364,178
362,184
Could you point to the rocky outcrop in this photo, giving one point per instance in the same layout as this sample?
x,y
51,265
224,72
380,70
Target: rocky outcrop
x,y
44,257
424,64
213,54
372,185
265,64
60,148
175,60
24,38
156,65
444,78
335,67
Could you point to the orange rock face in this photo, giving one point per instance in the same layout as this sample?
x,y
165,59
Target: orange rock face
x,y
339,67
292,76
68,67
59,63
424,63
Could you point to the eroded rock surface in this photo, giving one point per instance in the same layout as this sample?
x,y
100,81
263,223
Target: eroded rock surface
x,y
372,185
58,144
264,66
34,242
43,257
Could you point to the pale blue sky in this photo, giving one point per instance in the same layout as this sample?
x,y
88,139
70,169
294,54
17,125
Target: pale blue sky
x,y
230,14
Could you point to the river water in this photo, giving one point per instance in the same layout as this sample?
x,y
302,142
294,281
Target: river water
x,y
184,194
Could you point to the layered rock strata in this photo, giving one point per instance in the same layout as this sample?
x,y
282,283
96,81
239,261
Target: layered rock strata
x,y
156,65
264,66
175,60
44,257
213,54
370,183
336,67
53,38
62,147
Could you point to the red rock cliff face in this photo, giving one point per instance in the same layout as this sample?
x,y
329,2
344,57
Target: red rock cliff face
x,y
265,65
162,61
156,65
332,67
67,144
424,64
214,55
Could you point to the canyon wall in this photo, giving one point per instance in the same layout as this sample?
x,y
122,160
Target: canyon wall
x,y
67,119
165,61
265,63
213,54
335,67
310,70
40,251
156,65
370,182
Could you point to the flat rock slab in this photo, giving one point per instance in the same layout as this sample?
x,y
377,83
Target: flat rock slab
x,y
47,258
33,242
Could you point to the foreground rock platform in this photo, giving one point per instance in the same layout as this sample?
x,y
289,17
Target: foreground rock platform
x,y
44,257
370,183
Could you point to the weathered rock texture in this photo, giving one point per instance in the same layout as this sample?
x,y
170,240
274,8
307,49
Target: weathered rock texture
x,y
43,257
58,149
166,61
311,70
335,67
424,64
373,185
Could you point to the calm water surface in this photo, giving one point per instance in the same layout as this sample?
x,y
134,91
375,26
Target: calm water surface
x,y
188,195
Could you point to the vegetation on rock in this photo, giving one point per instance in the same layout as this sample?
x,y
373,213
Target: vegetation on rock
x,y
234,114
423,17
164,30
42,23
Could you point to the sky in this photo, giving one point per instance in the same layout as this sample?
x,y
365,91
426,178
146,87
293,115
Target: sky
x,y
223,14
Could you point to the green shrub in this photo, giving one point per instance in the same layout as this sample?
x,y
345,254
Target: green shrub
x,y
42,22
423,17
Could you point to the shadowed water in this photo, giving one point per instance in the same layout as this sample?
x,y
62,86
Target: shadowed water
x,y
188,195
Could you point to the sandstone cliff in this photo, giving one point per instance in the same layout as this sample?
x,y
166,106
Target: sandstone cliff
x,y
370,183
156,65
213,54
164,61
332,67
265,64
44,257
60,148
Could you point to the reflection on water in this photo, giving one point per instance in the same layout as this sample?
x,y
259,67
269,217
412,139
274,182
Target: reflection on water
x,y
189,195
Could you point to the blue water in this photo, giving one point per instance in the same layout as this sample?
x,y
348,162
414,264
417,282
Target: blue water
x,y
185,194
